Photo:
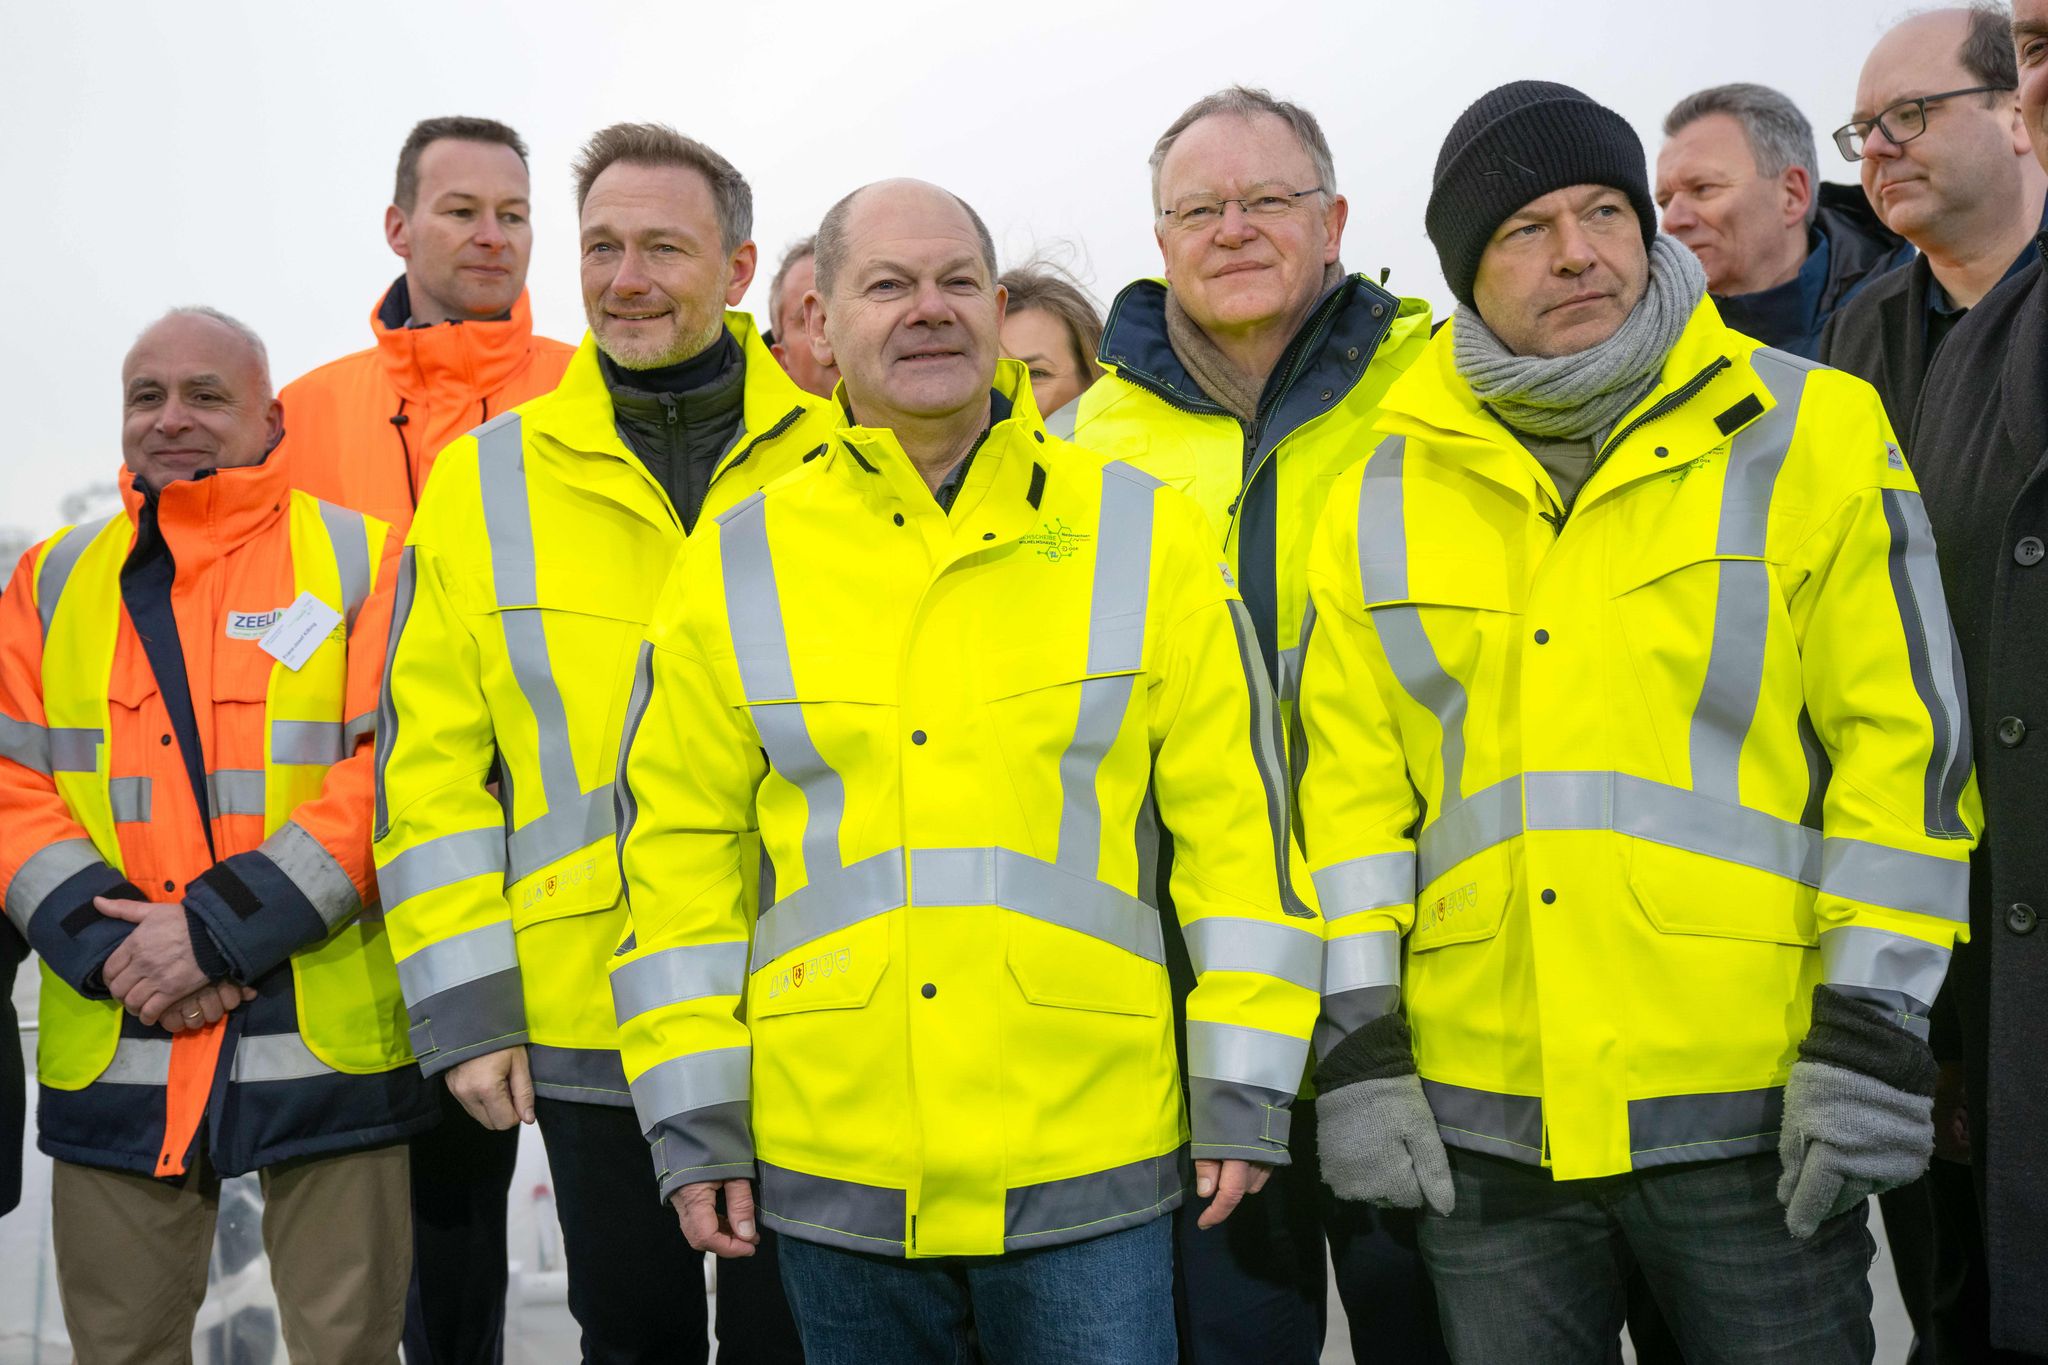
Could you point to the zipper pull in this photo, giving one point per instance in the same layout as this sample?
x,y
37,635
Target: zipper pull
x,y
668,406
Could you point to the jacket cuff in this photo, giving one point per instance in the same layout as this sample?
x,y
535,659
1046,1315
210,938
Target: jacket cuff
x,y
1858,1037
254,912
472,1019
74,938
213,963
1233,1121
1379,1050
714,1143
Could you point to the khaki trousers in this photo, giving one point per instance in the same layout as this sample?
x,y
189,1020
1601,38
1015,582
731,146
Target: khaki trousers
x,y
132,1256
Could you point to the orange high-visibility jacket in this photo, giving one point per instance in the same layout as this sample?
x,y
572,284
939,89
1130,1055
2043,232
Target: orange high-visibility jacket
x,y
100,794
363,430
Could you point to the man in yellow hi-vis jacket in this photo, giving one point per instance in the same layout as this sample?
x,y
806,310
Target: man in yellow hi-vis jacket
x,y
1633,715
528,578
943,674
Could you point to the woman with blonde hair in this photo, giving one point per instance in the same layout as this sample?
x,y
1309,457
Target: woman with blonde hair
x,y
1054,328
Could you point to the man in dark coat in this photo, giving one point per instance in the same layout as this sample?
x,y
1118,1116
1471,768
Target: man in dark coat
x,y
13,1085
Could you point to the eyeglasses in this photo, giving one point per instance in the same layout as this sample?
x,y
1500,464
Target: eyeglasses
x,y
1206,210
1902,122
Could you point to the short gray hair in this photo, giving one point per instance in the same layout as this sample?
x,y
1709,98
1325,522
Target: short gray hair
x,y
233,324
1778,134
657,144
1246,102
830,243
801,249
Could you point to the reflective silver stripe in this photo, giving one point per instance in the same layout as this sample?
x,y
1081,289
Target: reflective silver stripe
x,y
1876,959
1673,1128
841,1213
308,741
58,563
626,806
308,865
25,743
1362,962
1357,885
1267,755
675,975
696,1080
350,535
275,1057
356,731
1027,886
130,798
1470,827
1290,662
235,791
1222,943
1483,1121
1119,595
1758,453
1383,524
1896,879
586,1075
138,1061
468,956
1414,662
575,818
1245,1056
74,749
1936,660
387,710
844,897
48,868
1091,1205
441,861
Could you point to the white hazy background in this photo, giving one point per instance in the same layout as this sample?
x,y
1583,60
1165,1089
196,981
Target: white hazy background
x,y
241,154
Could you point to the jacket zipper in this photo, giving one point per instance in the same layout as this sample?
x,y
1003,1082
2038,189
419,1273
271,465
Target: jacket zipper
x,y
1663,407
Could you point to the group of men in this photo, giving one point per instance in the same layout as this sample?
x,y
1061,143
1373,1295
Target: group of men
x,y
954,850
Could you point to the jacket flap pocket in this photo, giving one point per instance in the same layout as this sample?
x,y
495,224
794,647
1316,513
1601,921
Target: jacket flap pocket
x,y
837,972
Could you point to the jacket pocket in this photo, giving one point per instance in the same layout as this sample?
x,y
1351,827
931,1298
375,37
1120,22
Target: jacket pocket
x,y
1690,893
1061,969
1467,903
837,972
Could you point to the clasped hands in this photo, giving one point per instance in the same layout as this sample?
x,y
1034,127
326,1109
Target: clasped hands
x,y
154,973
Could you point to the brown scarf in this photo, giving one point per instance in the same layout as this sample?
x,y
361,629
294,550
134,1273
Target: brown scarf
x,y
1230,387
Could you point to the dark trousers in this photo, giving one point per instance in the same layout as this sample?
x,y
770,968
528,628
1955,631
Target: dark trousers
x,y
636,1287
455,1306
1937,1244
1257,1288
1535,1270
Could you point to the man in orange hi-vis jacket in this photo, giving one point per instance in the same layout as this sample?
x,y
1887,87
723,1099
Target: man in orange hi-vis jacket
x,y
187,691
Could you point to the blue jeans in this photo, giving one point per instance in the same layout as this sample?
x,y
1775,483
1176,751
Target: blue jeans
x,y
1535,1270
1106,1301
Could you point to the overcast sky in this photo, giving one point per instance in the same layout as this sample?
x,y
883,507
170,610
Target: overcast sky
x,y
240,154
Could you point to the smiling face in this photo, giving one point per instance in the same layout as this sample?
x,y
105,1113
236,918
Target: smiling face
x,y
467,238
194,396
1564,272
656,278
914,314
1242,273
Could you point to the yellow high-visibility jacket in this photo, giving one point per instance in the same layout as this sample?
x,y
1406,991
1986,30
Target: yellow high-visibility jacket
x,y
950,1031
1677,752
527,581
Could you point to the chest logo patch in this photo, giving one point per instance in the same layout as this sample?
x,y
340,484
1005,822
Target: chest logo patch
x,y
251,625
1055,540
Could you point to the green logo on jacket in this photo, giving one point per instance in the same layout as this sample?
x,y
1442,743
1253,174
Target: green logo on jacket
x,y
1055,540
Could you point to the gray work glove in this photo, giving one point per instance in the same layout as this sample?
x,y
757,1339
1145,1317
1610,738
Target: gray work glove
x,y
1859,1112
1376,1134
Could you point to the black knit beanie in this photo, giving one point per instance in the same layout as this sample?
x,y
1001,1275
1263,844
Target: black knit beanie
x,y
1517,144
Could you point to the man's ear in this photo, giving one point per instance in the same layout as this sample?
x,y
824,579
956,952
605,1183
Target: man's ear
x,y
814,329
1334,219
740,273
1798,189
397,232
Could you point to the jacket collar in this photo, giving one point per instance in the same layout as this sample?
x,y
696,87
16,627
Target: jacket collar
x,y
450,361
212,516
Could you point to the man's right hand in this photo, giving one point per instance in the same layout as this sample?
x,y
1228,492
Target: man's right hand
x,y
207,1005
730,1235
496,1088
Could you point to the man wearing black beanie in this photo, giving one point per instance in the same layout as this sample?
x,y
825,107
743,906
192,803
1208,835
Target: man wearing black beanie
x,y
1635,756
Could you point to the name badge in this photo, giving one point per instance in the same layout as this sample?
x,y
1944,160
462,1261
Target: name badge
x,y
299,632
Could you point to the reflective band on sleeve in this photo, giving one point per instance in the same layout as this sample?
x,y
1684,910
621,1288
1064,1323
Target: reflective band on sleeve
x,y
138,1061
696,1080
1383,525
275,1057
452,962
59,561
387,711
1936,660
74,749
1267,750
1857,955
1896,879
350,536
235,791
625,806
25,743
1370,883
308,865
1362,961
440,862
48,868
319,742
130,798
1245,1056
1221,943
675,975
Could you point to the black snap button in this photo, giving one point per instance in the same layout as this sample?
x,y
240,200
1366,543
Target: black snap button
x,y
928,990
170,886
917,736
899,518
2029,551
2012,731
1663,452
1039,436
1549,896
1542,637
2021,919
165,740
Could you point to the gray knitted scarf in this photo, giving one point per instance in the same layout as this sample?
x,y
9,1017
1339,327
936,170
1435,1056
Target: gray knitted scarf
x,y
1574,397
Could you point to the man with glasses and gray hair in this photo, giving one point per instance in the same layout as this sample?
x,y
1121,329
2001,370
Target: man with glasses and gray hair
x,y
1250,377
1739,184
1937,134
